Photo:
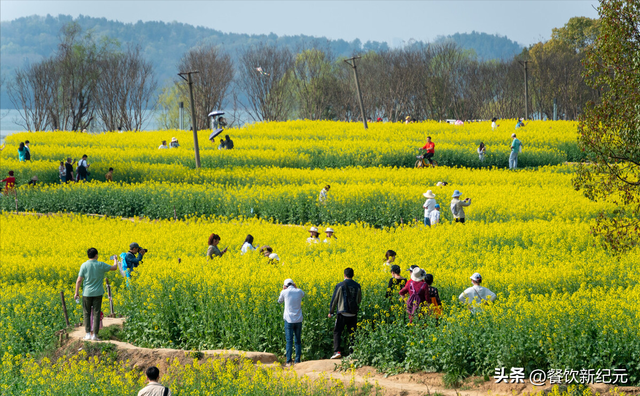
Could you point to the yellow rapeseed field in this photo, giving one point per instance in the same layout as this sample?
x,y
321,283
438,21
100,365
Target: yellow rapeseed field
x,y
562,302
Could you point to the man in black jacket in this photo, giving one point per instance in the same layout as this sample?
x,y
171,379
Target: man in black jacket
x,y
346,299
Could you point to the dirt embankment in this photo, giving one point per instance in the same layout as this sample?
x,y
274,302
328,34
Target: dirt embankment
x,y
409,384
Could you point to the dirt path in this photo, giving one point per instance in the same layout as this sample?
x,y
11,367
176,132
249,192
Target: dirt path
x,y
413,384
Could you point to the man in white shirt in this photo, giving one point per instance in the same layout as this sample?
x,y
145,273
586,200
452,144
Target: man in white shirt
x,y
476,294
154,388
434,216
291,296
163,145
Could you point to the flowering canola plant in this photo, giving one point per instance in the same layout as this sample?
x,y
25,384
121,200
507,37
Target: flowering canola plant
x,y
562,301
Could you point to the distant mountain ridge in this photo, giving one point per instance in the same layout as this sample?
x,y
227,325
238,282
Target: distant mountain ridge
x,y
486,46
30,39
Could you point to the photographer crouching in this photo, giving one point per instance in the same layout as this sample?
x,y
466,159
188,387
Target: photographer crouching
x,y
132,259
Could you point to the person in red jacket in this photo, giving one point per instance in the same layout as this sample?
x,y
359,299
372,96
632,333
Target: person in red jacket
x,y
415,286
431,150
10,183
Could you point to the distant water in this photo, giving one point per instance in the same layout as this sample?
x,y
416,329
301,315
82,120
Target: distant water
x,y
11,123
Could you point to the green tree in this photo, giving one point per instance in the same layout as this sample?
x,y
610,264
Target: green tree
x,y
168,115
609,131
578,33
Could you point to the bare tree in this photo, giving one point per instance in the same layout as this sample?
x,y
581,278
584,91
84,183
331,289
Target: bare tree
x,y
32,91
267,90
126,90
211,84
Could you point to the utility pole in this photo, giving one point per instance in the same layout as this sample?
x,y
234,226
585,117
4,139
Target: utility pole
x,y
352,62
181,116
196,148
526,90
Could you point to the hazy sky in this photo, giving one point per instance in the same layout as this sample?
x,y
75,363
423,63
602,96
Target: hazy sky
x,y
393,21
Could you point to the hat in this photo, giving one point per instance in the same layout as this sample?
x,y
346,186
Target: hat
x,y
429,194
418,274
35,178
329,229
274,256
288,282
134,245
513,135
313,229
476,277
437,206
379,119
173,139
395,269
412,268
407,118
456,194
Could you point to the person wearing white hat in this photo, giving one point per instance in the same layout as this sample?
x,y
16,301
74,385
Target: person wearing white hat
x,y
314,235
292,297
416,288
476,294
330,236
174,143
457,206
429,205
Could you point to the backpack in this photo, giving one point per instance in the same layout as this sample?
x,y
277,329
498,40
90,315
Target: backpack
x,y
350,298
123,258
414,301
454,208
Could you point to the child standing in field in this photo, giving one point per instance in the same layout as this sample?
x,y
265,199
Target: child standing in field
x,y
434,216
109,176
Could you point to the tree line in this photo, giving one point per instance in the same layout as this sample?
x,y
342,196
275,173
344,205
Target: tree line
x,y
95,84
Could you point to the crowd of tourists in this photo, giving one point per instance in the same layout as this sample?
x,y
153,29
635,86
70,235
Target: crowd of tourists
x,y
422,299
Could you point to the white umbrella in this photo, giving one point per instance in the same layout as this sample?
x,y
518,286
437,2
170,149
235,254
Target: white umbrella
x,y
216,113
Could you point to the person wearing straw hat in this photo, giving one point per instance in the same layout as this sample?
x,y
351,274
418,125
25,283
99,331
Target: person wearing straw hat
x,y
457,206
476,294
416,288
428,206
313,238
174,143
330,237
292,297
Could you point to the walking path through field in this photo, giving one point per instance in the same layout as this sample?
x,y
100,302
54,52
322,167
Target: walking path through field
x,y
402,384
